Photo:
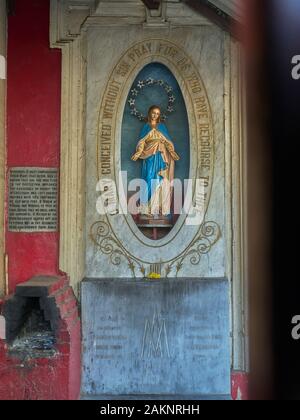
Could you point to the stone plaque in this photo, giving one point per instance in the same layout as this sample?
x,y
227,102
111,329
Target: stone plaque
x,y
167,337
33,200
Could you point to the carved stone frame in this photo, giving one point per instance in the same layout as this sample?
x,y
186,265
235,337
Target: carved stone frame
x,y
71,18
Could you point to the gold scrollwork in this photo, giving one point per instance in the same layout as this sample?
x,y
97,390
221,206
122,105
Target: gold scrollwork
x,y
209,235
103,237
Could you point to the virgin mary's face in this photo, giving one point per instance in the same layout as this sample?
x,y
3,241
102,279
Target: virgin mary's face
x,y
155,114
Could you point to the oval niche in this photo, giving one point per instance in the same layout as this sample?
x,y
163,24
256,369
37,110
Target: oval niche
x,y
153,153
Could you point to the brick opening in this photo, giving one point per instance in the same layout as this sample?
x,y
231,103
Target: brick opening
x,y
31,336
40,344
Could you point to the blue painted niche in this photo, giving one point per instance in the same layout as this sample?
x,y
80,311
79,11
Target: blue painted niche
x,y
177,122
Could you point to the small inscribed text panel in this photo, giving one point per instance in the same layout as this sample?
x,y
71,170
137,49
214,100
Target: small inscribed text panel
x,y
33,200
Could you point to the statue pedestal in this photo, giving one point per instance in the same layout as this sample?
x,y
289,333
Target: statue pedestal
x,y
157,224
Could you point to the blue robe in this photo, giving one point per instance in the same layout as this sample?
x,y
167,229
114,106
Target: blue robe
x,y
153,165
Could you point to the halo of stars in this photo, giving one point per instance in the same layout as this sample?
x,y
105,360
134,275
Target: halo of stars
x,y
141,84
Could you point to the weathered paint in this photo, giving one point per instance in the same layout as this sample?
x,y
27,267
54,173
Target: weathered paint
x,y
33,125
239,386
33,139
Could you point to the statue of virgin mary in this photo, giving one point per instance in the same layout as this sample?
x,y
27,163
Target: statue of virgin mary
x,y
157,152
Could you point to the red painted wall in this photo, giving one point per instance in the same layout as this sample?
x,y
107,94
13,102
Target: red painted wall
x,y
33,125
240,386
